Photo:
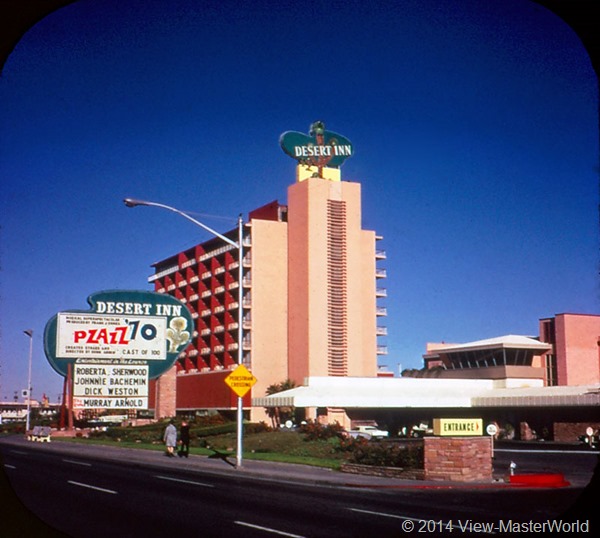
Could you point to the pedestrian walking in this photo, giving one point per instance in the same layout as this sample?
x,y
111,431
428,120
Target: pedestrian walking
x,y
170,439
184,440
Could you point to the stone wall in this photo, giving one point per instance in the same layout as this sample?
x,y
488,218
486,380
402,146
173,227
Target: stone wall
x,y
459,459
569,432
462,459
386,472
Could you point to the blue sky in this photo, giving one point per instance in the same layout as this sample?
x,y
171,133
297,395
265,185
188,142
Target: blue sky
x,y
474,123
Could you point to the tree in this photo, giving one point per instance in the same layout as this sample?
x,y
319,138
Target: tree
x,y
281,413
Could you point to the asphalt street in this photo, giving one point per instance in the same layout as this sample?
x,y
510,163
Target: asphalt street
x,y
89,491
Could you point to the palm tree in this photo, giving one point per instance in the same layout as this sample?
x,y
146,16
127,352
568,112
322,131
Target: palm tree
x,y
279,414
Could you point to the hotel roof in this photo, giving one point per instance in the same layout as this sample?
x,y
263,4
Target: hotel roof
x,y
405,392
509,341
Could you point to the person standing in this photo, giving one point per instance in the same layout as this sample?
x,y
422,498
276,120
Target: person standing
x,y
184,439
170,439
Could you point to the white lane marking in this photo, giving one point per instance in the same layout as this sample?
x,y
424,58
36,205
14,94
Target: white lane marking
x,y
185,481
8,466
19,452
267,529
78,463
384,514
80,484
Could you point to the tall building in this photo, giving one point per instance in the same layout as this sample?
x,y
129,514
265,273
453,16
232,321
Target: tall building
x,y
309,297
575,355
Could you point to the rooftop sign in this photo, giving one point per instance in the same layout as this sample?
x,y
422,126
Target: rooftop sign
x,y
122,327
319,148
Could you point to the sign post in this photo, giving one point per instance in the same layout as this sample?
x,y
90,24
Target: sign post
x,y
240,381
491,429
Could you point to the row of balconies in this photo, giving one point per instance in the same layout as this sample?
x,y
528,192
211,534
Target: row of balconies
x,y
220,328
216,252
217,367
217,349
380,293
247,280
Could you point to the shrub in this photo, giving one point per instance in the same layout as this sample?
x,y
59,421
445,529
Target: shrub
x,y
257,427
350,444
314,431
387,455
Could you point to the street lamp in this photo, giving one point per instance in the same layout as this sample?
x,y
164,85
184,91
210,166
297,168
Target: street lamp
x,y
132,202
29,332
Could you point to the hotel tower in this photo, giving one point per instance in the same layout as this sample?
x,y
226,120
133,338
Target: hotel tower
x,y
309,291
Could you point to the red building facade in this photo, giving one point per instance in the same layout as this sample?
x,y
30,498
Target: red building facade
x,y
575,355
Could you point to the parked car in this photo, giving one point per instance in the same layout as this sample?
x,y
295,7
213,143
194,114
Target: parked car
x,y
590,441
368,432
421,430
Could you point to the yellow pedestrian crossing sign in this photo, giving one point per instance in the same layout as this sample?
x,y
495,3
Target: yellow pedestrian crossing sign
x,y
240,380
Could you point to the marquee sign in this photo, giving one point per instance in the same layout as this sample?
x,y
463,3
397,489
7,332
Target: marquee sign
x,y
101,385
319,148
122,328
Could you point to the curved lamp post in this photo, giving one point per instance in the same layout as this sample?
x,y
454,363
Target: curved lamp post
x,y
132,202
29,332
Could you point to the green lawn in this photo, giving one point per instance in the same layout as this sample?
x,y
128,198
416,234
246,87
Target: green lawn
x,y
279,446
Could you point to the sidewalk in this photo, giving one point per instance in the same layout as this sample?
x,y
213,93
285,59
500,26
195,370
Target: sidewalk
x,y
260,470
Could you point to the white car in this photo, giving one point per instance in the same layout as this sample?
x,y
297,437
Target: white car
x,y
369,432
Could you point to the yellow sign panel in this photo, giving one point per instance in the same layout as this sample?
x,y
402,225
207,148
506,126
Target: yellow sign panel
x,y
457,426
240,380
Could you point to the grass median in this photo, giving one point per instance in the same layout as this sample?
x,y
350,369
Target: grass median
x,y
276,446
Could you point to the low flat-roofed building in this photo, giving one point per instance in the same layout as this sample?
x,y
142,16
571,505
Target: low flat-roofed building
x,y
397,402
512,358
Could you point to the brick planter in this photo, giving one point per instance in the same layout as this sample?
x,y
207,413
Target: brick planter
x,y
387,472
460,459
457,459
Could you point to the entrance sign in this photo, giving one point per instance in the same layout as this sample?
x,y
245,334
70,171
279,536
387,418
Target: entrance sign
x,y
319,148
457,426
123,327
240,380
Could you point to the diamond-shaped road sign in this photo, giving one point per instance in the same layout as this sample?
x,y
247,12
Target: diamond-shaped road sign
x,y
240,380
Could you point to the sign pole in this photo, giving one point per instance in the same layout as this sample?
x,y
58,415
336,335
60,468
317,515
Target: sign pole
x,y
240,381
492,430
70,396
29,333
240,409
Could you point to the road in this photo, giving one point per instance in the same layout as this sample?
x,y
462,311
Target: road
x,y
83,494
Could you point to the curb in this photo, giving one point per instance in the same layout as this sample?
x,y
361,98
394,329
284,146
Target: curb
x,y
539,480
